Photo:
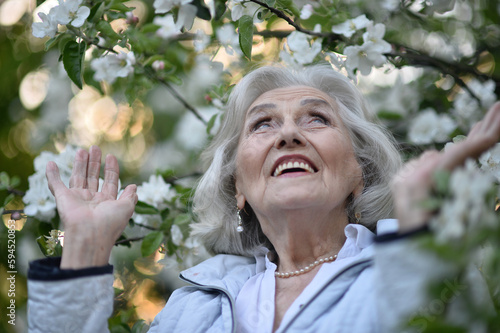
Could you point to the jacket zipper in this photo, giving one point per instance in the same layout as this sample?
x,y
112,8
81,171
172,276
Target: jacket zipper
x,y
221,290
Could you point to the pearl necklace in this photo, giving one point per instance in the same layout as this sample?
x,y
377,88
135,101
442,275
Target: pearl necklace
x,y
305,269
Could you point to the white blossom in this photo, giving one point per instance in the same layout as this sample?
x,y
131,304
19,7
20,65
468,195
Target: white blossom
x,y
349,27
155,192
490,161
430,127
466,209
69,11
301,48
168,28
240,8
375,34
363,57
390,5
112,66
164,6
467,108
40,203
201,41
306,11
186,15
176,235
228,38
48,26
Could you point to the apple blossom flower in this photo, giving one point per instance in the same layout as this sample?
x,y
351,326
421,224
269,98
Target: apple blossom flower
x,y
490,161
40,203
186,15
112,66
466,209
349,27
70,11
363,57
375,34
164,6
201,41
467,109
158,65
306,11
240,8
430,127
176,235
155,192
228,38
301,49
168,28
47,27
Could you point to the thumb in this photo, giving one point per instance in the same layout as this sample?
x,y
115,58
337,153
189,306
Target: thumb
x,y
54,179
129,197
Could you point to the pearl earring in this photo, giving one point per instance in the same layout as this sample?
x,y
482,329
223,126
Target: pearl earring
x,y
357,216
239,228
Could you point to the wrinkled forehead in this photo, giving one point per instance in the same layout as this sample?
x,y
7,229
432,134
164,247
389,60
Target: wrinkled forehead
x,y
299,95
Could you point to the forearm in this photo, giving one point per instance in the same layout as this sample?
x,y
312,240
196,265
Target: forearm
x,y
65,300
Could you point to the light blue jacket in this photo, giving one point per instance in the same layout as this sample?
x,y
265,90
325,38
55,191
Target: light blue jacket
x,y
386,283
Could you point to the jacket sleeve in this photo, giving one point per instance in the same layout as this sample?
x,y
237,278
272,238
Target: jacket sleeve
x,y
61,300
403,274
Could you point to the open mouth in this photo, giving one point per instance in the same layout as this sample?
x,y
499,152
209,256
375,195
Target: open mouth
x,y
293,166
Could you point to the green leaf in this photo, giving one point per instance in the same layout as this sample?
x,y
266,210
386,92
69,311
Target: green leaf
x,y
441,181
105,28
73,56
202,11
144,208
119,6
211,123
220,9
51,42
96,12
182,219
8,199
388,115
151,243
140,327
245,31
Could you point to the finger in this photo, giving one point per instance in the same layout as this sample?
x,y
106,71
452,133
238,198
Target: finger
x,y
111,175
130,194
56,185
94,168
78,177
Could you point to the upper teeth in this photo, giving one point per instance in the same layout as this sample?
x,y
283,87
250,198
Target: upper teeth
x,y
292,165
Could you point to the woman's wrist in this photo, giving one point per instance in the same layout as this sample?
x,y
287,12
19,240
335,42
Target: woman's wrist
x,y
83,251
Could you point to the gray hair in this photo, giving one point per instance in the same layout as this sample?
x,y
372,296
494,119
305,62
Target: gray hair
x,y
214,199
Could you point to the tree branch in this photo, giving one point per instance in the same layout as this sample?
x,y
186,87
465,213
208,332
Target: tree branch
x,y
133,239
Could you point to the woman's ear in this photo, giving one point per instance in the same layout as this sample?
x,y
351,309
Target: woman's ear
x,y
240,197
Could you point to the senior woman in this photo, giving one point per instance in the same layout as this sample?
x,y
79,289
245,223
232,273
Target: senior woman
x,y
298,177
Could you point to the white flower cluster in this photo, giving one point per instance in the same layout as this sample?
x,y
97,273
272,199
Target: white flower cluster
x,y
156,193
228,38
67,12
429,127
490,162
371,53
112,66
189,252
467,109
40,203
55,237
185,17
467,210
301,48
240,8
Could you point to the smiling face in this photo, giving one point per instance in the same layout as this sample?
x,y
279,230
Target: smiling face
x,y
295,153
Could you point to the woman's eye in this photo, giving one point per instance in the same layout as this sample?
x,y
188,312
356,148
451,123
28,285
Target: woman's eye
x,y
319,119
261,124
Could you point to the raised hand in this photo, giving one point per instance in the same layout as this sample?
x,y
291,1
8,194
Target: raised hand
x,y
92,220
412,184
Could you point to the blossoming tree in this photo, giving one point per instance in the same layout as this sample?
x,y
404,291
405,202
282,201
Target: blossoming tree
x,y
147,81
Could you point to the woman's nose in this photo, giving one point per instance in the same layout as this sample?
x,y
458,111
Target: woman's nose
x,y
289,136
